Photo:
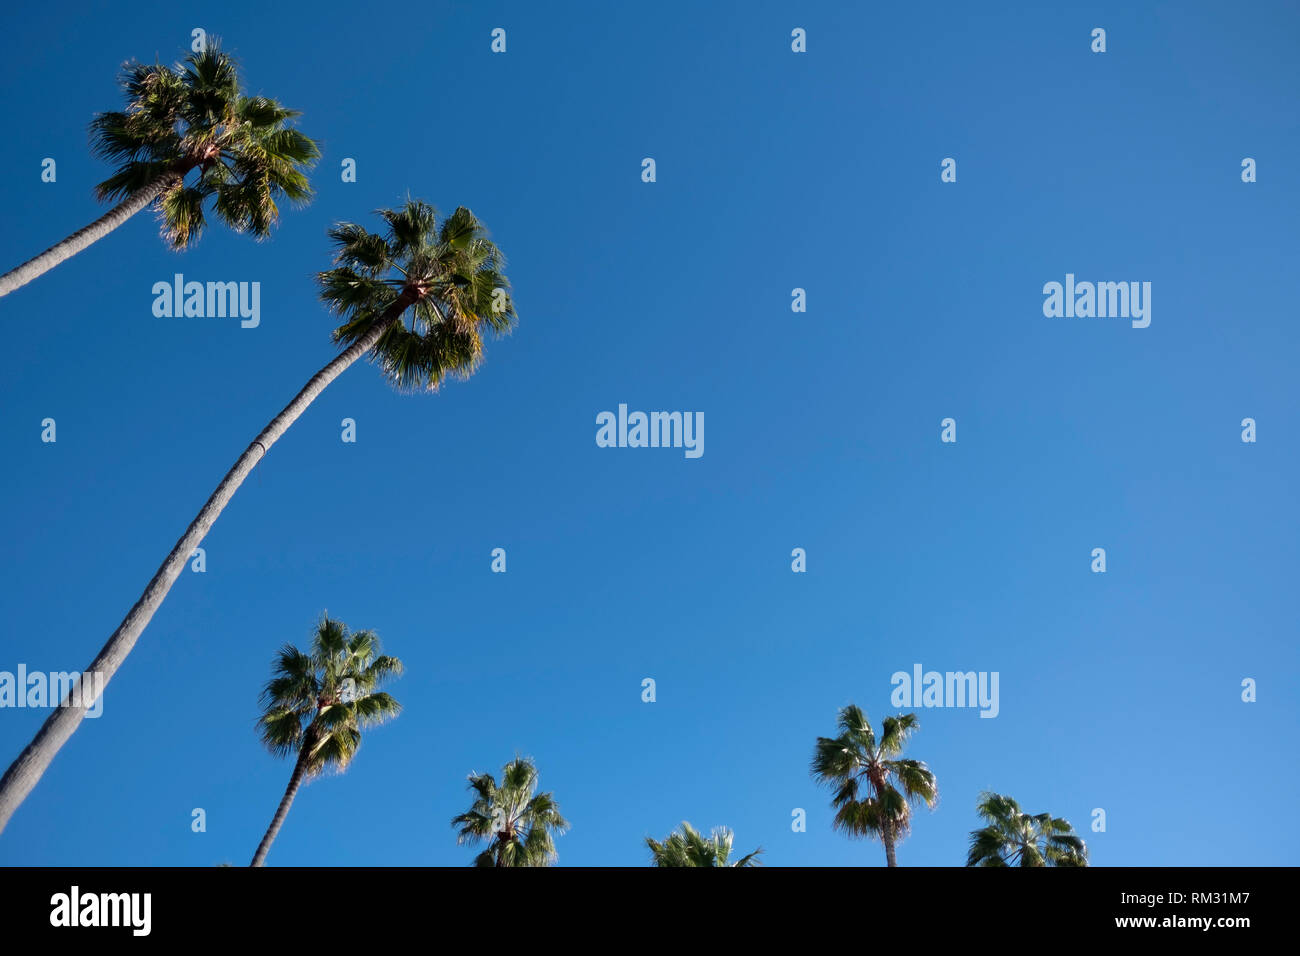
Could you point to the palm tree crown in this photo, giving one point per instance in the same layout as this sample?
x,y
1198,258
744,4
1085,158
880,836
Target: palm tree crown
x,y
1014,838
178,119
517,825
194,116
432,287
317,703
874,786
686,846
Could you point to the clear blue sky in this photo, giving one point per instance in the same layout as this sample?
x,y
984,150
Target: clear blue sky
x,y
775,171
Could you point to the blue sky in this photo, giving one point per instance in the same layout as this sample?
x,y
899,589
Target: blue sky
x,y
775,170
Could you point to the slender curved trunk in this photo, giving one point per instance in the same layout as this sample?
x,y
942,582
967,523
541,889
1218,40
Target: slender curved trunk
x,y
24,772
79,240
888,835
282,811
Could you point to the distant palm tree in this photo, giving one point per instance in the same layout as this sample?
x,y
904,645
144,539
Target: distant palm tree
x,y
192,116
686,846
445,279
1013,838
867,774
317,704
518,827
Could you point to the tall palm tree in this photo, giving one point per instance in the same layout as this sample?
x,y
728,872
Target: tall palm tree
x,y
178,119
867,775
1014,838
417,299
518,826
686,846
316,705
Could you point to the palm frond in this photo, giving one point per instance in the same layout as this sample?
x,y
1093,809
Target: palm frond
x,y
306,708
193,117
436,286
518,824
1014,838
865,773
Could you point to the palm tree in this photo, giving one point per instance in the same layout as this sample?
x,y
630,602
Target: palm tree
x,y
192,116
518,827
417,299
686,846
1013,838
317,704
867,774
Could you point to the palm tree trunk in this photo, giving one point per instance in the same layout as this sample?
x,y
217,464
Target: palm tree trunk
x,y
282,811
890,859
24,772
79,240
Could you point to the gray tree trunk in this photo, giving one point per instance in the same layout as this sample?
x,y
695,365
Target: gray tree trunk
x,y
282,811
79,240
890,859
24,772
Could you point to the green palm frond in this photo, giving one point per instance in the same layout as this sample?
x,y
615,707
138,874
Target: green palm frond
x,y
917,780
872,789
854,725
380,669
319,701
860,818
1014,838
435,286
518,825
896,730
686,847
192,116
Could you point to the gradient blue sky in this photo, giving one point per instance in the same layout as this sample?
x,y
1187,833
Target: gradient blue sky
x,y
775,171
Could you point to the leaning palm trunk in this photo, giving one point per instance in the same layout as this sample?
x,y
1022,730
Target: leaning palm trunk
x,y
79,240
282,811
23,774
